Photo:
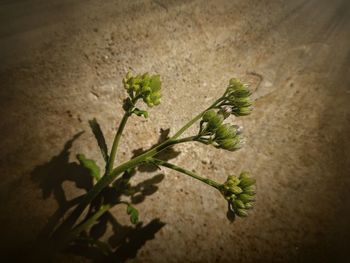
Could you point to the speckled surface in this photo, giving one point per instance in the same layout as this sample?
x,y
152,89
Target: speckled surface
x,y
62,65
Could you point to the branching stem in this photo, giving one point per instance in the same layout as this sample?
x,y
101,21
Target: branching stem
x,y
63,230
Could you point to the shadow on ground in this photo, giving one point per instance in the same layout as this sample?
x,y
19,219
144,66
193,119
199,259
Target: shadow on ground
x,y
126,240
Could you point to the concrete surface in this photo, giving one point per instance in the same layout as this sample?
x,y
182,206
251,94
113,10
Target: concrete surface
x,y
62,62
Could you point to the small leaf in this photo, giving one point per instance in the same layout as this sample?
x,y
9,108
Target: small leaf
x,y
134,214
96,129
139,112
90,165
155,83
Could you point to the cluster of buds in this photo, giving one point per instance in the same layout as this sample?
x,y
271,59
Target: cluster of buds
x,y
221,135
143,86
239,192
237,98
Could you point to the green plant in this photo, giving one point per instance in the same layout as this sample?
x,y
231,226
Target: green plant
x,y
239,190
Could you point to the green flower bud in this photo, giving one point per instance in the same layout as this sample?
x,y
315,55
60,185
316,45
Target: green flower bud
x,y
146,80
230,183
242,111
237,89
246,198
234,82
238,204
155,83
145,90
246,180
215,123
153,99
226,131
236,189
208,115
144,86
230,144
250,190
248,205
213,119
240,101
240,195
233,179
242,212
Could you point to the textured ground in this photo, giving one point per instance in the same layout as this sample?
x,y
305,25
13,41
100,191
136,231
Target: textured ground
x,y
62,62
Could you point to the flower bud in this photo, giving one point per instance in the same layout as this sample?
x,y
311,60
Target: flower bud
x,y
245,198
144,86
225,131
240,101
239,192
238,204
233,178
146,80
214,120
250,190
236,189
248,205
237,89
246,180
243,111
208,115
242,212
230,144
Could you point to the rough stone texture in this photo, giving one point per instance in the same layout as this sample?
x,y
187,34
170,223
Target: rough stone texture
x,y
62,65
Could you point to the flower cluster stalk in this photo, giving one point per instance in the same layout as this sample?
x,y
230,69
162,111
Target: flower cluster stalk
x,y
187,172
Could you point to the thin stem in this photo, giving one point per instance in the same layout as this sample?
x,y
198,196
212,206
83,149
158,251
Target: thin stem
x,y
116,142
187,172
196,118
118,135
91,220
85,225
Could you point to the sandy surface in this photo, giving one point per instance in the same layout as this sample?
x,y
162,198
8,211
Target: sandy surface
x,y
62,62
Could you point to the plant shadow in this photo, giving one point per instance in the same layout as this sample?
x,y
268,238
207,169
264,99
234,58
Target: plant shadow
x,y
125,240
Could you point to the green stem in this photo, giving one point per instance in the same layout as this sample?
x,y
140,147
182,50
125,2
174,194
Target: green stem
x,y
91,220
187,172
66,226
191,122
86,224
116,142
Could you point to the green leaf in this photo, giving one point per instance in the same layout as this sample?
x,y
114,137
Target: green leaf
x,y
155,83
139,112
90,165
96,129
134,214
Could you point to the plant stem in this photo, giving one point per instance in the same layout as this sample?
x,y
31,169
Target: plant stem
x,y
191,122
62,231
187,172
66,226
116,142
86,224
